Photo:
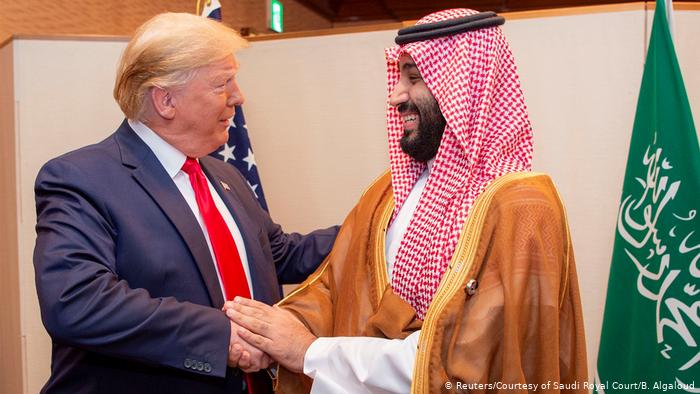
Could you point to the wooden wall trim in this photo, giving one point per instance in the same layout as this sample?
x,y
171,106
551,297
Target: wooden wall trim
x,y
10,328
333,31
63,37
583,10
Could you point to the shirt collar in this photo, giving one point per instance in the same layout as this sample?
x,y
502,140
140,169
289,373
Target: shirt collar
x,y
169,157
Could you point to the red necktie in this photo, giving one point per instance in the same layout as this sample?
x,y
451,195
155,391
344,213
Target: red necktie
x,y
227,258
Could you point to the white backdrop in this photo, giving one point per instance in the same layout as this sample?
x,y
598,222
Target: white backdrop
x,y
315,112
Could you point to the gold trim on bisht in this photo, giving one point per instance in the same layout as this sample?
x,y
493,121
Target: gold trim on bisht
x,y
461,265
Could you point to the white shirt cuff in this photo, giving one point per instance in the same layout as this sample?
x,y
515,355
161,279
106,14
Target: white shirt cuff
x,y
361,364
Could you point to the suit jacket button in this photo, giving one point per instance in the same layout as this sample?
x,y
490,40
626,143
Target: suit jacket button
x,y
188,363
207,367
200,366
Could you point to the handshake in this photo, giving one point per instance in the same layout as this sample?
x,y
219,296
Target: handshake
x,y
261,334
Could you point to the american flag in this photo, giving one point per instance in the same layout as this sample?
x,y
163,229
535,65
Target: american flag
x,y
237,151
211,9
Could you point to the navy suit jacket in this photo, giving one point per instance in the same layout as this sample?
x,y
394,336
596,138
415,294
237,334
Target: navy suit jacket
x,y
126,283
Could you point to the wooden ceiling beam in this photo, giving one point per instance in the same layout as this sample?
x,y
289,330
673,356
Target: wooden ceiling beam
x,y
402,10
315,6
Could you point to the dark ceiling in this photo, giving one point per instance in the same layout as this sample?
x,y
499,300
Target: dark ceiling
x,y
338,11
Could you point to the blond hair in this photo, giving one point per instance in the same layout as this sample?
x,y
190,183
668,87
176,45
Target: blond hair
x,y
165,52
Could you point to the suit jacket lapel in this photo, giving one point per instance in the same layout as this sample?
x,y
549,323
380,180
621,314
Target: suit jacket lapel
x,y
151,175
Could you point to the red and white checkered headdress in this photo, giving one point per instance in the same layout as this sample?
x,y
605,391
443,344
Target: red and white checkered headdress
x,y
472,76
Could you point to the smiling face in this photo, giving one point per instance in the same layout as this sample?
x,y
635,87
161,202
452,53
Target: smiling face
x,y
423,123
198,113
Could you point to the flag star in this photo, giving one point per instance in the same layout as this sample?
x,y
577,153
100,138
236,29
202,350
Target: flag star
x,y
253,187
250,159
227,152
231,123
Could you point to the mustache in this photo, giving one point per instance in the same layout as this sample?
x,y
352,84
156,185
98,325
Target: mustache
x,y
408,106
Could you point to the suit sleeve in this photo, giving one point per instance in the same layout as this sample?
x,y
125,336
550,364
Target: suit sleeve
x,y
295,255
85,304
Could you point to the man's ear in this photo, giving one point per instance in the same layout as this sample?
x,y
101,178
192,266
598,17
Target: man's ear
x,y
163,102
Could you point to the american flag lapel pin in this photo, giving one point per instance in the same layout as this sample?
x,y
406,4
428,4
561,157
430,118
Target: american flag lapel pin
x,y
225,186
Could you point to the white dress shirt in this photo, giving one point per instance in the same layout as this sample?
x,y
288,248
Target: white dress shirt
x,y
365,364
172,161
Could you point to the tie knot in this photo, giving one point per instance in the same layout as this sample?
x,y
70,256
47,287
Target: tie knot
x,y
191,166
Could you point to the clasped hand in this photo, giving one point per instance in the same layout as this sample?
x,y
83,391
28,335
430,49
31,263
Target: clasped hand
x,y
266,332
243,355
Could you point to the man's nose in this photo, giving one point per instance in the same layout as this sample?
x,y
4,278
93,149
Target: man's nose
x,y
236,96
399,95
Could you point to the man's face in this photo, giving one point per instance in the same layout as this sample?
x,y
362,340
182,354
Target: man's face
x,y
423,123
205,105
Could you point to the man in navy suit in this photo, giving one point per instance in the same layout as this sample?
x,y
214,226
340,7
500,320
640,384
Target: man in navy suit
x,y
128,272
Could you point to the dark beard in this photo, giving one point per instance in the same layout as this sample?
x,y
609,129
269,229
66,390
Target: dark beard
x,y
425,140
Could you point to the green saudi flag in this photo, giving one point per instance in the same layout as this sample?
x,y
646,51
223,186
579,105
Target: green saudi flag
x,y
651,329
